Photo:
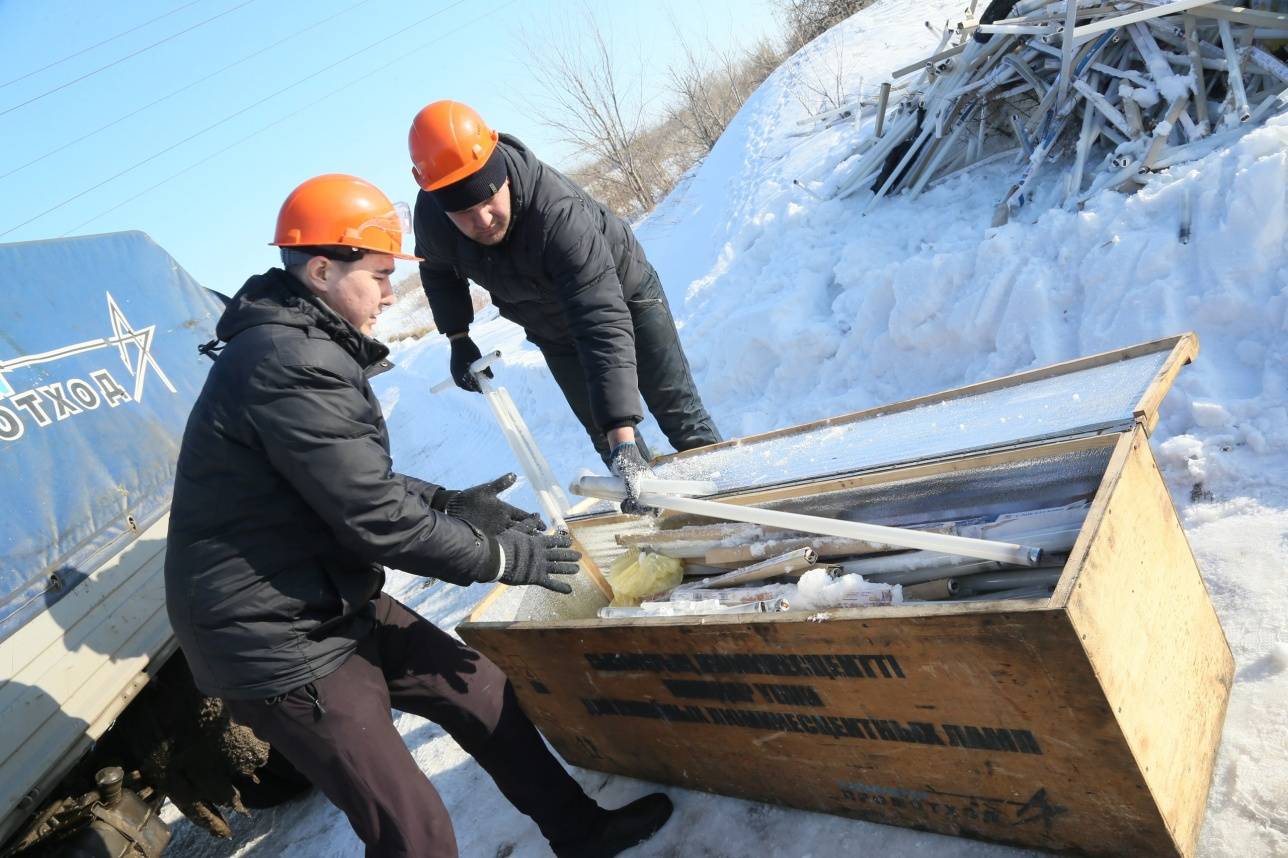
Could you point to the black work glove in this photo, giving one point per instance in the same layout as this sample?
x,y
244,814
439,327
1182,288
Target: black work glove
x,y
481,507
531,558
464,353
625,461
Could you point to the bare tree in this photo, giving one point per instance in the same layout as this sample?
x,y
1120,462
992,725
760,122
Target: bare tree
x,y
807,19
710,85
588,104
761,60
827,84
629,164
701,109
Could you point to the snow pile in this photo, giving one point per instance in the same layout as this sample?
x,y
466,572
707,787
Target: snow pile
x,y
793,308
954,113
808,310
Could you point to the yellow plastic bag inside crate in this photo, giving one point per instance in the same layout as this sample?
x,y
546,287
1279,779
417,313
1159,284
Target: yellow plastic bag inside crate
x,y
637,575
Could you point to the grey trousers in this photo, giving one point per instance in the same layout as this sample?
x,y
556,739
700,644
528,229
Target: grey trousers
x,y
338,732
665,379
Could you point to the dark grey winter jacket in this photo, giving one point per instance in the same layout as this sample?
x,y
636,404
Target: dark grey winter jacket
x,y
564,271
285,501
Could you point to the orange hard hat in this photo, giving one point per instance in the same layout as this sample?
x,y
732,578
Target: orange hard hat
x,y
448,141
339,210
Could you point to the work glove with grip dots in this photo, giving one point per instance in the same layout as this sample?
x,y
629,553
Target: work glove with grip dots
x,y
481,507
464,353
626,462
533,558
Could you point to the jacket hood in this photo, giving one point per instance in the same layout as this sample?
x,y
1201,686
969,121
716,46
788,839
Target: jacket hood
x,y
524,170
277,298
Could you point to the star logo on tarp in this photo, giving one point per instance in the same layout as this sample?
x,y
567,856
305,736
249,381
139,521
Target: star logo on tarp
x,y
133,346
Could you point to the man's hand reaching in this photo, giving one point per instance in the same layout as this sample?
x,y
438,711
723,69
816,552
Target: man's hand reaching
x,y
626,462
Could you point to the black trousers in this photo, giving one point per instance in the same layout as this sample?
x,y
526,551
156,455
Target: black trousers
x,y
338,732
665,380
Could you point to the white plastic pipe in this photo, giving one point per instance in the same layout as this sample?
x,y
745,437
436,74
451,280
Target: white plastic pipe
x,y
1086,31
1002,552
686,488
946,147
547,475
1163,130
785,564
1102,104
1089,122
1234,71
1019,29
930,61
986,160
1066,49
477,367
1196,68
883,101
550,496
548,491
1267,61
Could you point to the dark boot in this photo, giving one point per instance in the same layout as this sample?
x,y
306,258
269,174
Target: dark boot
x,y
619,830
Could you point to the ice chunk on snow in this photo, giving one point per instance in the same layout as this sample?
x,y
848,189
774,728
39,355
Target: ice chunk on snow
x,y
1181,448
1145,96
1277,660
1210,415
817,589
1173,86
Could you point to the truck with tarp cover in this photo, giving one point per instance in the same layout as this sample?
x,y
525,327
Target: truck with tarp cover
x,y
99,367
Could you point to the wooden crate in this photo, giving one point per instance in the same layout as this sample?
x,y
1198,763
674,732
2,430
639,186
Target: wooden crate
x,y
1085,722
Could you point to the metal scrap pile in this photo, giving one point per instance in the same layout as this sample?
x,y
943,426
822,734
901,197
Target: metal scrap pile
x,y
1121,88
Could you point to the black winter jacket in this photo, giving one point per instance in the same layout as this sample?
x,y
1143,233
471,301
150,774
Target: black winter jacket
x,y
285,502
564,271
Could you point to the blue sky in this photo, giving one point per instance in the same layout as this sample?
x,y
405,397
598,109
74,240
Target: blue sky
x,y
336,95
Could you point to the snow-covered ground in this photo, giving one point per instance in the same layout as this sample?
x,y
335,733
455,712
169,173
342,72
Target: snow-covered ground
x,y
792,309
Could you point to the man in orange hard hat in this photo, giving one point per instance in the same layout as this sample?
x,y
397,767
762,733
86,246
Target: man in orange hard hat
x,y
561,265
286,509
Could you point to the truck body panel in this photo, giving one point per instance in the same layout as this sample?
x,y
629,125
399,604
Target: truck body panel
x,y
99,368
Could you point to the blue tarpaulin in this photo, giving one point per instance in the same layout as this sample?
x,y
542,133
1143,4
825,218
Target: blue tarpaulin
x,y
98,370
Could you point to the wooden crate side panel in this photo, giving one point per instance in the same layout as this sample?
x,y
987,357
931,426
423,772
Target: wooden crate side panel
x,y
1153,638
1095,515
1184,352
984,725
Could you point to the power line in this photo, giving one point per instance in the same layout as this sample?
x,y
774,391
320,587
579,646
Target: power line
x,y
98,44
181,89
206,159
63,86
230,116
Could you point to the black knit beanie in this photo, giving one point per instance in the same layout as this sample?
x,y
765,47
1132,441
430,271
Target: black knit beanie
x,y
474,188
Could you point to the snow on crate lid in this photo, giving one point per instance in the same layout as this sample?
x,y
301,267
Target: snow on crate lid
x,y
1044,405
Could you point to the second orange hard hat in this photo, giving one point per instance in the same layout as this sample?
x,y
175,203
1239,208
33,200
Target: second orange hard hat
x,y
448,141
340,210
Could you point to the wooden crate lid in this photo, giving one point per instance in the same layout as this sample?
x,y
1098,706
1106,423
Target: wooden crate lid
x,y
1107,392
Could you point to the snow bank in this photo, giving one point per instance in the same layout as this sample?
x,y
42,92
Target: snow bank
x,y
792,309
796,309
